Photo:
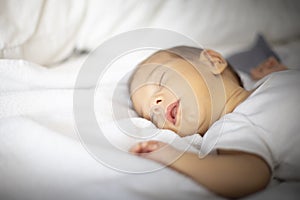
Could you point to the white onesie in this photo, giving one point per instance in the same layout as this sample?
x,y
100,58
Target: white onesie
x,y
267,124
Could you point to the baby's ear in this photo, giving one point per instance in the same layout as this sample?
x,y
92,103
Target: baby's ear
x,y
214,60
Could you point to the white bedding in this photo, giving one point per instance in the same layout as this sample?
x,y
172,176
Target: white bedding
x,y
41,154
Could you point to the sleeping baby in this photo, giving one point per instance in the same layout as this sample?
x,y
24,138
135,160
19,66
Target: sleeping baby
x,y
248,137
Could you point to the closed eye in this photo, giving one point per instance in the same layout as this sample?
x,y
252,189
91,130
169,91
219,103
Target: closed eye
x,y
161,79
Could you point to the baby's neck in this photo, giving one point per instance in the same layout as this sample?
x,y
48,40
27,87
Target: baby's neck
x,y
234,98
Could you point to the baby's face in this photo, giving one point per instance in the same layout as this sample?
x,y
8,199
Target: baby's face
x,y
174,97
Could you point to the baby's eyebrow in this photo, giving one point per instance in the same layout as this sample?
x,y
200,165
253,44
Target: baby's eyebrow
x,y
153,70
161,77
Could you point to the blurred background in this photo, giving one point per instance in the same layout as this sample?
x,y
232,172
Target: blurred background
x,y
49,31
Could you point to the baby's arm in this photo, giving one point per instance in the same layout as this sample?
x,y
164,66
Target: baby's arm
x,y
230,173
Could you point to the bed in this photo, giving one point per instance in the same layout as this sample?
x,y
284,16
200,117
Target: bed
x,y
44,151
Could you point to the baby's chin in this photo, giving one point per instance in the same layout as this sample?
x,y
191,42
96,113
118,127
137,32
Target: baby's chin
x,y
186,132
187,127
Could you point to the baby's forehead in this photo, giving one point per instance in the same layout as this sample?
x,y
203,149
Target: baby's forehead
x,y
148,73
157,73
155,68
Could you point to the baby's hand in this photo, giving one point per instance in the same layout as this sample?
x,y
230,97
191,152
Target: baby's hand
x,y
146,147
157,151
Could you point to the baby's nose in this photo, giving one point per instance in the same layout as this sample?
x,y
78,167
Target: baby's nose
x,y
157,107
158,101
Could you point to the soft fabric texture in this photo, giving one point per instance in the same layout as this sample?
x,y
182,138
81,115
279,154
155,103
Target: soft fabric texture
x,y
41,156
47,32
265,124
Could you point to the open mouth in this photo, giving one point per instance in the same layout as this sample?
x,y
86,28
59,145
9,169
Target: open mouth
x,y
172,112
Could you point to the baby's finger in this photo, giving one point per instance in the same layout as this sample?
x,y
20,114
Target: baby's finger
x,y
137,148
144,147
149,146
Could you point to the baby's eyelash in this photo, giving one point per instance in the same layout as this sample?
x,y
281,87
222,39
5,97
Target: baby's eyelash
x,y
161,78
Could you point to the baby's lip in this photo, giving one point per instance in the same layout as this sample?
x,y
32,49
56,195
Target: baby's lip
x,y
171,113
